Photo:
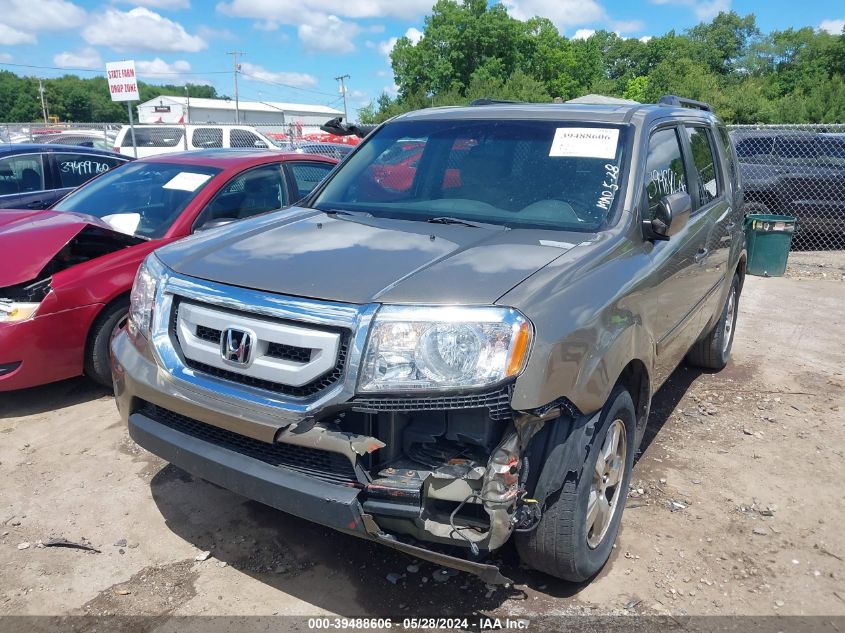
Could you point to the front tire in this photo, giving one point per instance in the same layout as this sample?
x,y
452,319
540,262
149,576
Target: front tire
x,y
714,350
575,535
97,352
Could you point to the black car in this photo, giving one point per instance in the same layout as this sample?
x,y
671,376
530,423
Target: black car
x,y
797,173
34,176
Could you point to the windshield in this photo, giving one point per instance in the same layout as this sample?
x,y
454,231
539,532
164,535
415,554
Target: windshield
x,y
519,174
142,199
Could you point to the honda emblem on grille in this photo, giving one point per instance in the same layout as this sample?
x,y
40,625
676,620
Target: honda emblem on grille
x,y
236,346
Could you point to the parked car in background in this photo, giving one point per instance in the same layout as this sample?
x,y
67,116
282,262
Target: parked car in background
x,y
794,173
153,140
34,176
335,150
82,138
67,271
460,356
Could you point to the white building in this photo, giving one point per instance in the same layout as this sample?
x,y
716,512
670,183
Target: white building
x,y
167,109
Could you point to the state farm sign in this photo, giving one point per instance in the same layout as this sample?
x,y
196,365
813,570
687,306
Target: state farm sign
x,y
123,85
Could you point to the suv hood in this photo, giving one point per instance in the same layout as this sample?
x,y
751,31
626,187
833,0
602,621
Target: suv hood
x,y
30,240
306,253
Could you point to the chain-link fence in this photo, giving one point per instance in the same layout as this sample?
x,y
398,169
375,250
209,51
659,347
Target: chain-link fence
x,y
796,170
155,138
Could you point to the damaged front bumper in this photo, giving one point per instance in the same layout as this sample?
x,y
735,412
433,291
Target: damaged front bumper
x,y
460,493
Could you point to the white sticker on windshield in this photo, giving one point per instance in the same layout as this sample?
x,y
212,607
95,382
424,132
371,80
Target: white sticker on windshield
x,y
585,142
123,222
186,181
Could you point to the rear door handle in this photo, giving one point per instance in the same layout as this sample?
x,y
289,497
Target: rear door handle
x,y
701,254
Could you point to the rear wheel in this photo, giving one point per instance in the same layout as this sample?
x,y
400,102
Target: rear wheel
x,y
714,350
97,352
575,535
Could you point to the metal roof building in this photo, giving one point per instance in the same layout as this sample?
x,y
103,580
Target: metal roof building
x,y
173,109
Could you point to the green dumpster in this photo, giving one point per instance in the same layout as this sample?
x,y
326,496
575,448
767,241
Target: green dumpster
x,y
769,238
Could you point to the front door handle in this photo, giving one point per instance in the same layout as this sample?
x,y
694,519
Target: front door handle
x,y
701,254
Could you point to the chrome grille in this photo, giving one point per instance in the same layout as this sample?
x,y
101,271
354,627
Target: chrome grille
x,y
280,365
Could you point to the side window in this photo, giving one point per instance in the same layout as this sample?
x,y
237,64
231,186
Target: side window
x,y
206,137
704,160
247,194
308,175
21,174
665,172
244,138
154,137
76,169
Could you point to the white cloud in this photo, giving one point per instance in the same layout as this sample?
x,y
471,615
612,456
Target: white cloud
x,y
40,15
626,26
329,34
87,57
159,71
645,39
583,34
834,27
5,57
20,20
386,47
289,11
324,25
703,9
564,13
167,5
415,35
140,29
158,66
299,80
11,37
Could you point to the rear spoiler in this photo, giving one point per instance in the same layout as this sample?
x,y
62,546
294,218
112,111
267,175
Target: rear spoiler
x,y
337,127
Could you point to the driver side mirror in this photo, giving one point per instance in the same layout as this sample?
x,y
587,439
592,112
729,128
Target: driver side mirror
x,y
670,217
213,224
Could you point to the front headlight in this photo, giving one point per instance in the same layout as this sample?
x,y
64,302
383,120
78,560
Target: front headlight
x,y
142,297
15,311
440,348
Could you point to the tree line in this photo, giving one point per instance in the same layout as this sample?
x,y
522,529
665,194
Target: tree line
x,y
471,50
72,98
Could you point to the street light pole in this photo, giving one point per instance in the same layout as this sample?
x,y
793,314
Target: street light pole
x,y
236,68
342,79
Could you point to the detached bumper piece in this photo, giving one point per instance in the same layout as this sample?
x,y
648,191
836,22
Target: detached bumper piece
x,y
313,484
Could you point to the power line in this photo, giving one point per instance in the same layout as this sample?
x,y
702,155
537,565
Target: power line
x,y
277,83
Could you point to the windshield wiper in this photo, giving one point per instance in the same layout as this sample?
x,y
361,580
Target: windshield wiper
x,y
448,220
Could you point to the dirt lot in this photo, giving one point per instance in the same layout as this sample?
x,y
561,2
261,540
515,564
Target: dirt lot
x,y
736,506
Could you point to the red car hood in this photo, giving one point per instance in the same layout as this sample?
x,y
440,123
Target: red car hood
x,y
30,239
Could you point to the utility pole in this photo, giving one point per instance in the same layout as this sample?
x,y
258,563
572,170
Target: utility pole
x,y
236,68
43,103
342,79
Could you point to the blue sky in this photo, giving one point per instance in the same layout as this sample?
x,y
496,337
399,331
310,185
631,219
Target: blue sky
x,y
294,48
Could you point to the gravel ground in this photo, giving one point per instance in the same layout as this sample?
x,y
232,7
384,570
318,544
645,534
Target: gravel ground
x,y
735,508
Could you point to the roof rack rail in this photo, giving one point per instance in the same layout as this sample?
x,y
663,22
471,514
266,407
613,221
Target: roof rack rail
x,y
674,100
488,101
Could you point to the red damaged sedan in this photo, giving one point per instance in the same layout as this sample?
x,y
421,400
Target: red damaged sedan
x,y
66,272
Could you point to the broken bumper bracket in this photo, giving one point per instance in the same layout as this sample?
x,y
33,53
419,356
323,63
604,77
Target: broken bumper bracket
x,y
488,573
